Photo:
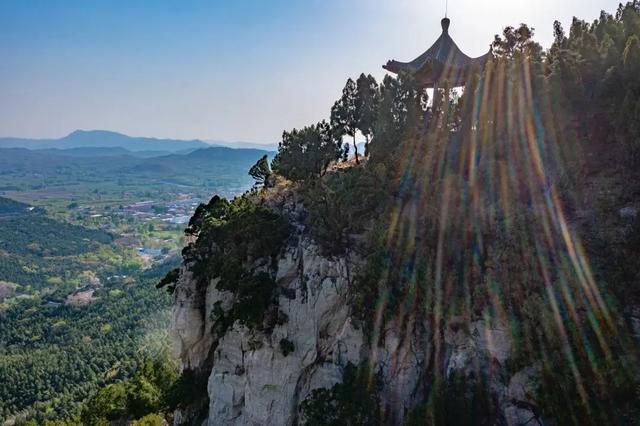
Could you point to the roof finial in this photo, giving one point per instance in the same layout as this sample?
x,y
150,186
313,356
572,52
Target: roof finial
x,y
445,24
446,8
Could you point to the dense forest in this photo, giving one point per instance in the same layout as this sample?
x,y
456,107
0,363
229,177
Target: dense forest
x,y
55,350
53,358
41,254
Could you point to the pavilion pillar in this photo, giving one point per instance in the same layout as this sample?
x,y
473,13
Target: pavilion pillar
x,y
435,96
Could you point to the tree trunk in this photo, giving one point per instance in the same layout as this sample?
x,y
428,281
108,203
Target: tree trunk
x,y
355,148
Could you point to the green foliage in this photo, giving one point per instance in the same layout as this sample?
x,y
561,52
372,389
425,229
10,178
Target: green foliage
x,y
597,67
517,43
260,171
190,388
367,103
306,153
354,402
170,280
140,397
110,403
458,401
286,347
40,236
230,237
345,114
400,116
344,203
150,420
52,358
253,294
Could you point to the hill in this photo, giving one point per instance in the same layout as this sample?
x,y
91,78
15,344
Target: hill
x,y
10,207
23,169
106,152
104,139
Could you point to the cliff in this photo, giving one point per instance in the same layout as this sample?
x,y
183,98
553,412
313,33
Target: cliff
x,y
263,376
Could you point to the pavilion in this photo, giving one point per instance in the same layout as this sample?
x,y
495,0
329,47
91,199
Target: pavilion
x,y
444,61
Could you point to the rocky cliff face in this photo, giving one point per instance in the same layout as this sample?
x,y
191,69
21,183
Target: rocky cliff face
x,y
257,378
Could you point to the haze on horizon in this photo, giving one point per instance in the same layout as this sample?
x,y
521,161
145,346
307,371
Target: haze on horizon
x,y
242,70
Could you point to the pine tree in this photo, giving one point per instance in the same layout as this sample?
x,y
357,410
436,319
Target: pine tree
x,y
344,115
367,101
260,171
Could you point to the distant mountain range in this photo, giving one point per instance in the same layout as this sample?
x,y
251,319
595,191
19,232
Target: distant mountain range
x,y
92,143
245,145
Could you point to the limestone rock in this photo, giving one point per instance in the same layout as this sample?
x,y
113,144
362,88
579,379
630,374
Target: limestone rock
x,y
252,382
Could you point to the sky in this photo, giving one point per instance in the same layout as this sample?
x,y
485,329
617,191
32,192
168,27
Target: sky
x,y
233,70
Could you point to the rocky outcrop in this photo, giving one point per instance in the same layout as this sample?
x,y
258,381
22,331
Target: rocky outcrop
x,y
252,380
260,377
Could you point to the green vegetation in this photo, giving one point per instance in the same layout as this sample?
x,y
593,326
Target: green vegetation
x,y
50,259
84,237
52,358
35,234
148,392
170,280
305,153
458,401
230,237
467,208
353,402
10,207
260,171
356,110
286,347
333,216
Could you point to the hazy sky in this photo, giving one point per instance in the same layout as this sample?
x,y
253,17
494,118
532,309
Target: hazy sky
x,y
214,69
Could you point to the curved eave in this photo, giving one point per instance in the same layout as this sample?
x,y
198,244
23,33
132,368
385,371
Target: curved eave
x,y
443,59
433,71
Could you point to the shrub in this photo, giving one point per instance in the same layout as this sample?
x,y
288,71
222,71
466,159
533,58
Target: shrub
x,y
286,347
170,280
350,403
458,401
260,171
306,153
231,236
344,203
150,420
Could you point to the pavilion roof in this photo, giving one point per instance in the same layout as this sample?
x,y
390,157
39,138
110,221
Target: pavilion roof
x,y
443,60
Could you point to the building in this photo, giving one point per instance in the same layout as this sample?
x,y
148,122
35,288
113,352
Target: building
x,y
444,61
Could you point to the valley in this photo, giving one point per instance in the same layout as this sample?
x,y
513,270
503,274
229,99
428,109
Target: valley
x,y
85,235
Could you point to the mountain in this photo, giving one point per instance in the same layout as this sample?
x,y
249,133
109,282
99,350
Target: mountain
x,y
107,152
104,139
45,161
245,145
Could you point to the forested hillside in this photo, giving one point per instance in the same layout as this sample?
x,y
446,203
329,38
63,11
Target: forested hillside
x,y
52,358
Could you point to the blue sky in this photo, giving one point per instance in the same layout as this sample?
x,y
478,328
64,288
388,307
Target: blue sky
x,y
229,70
